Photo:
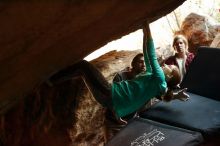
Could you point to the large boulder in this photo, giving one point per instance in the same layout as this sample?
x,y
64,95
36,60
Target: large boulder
x,y
200,30
65,114
38,38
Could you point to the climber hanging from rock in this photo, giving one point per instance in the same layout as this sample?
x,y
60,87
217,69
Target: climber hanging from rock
x,y
126,97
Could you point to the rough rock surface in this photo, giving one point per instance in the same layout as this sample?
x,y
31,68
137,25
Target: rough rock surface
x,y
38,38
200,30
216,42
62,115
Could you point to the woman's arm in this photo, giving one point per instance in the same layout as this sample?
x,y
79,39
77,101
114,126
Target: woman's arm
x,y
149,51
146,36
147,32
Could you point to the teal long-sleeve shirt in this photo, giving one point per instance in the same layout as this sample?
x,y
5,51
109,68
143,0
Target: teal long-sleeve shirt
x,y
130,95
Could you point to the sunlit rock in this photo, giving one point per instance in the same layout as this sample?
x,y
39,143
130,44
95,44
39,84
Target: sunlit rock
x,y
200,30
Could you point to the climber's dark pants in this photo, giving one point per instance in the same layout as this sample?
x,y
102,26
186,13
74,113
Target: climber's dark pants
x,y
93,78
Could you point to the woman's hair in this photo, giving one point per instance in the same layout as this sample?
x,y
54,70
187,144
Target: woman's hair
x,y
182,37
136,58
172,74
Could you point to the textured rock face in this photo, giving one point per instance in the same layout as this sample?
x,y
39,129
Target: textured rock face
x,y
216,41
91,127
38,38
200,30
62,115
